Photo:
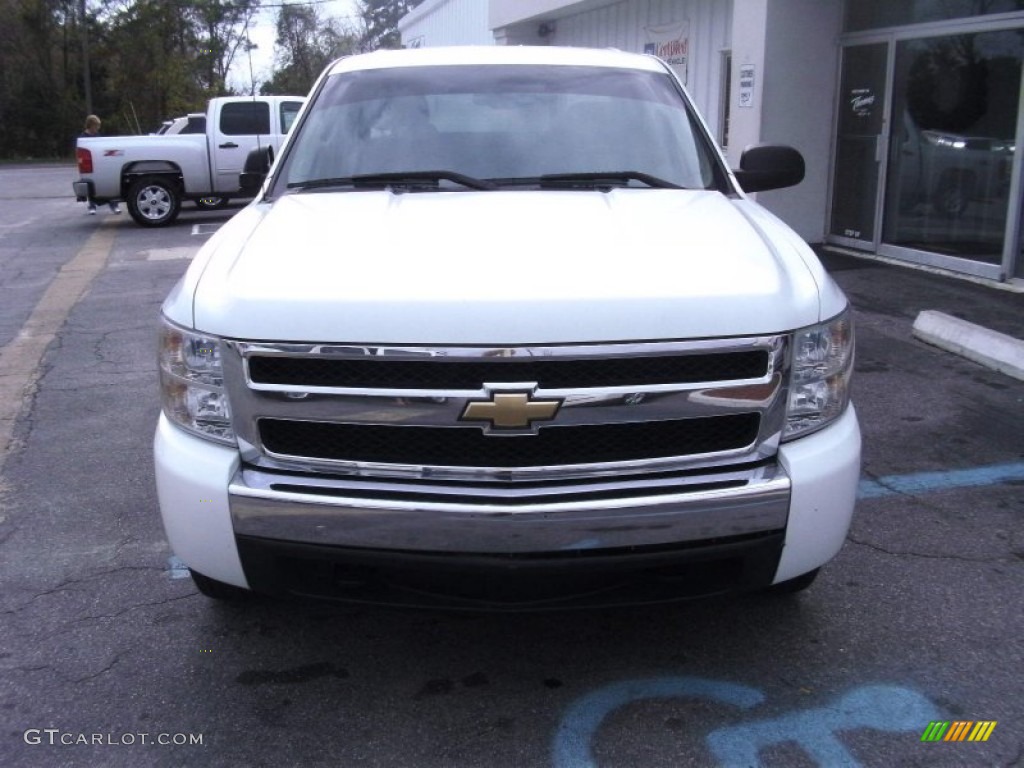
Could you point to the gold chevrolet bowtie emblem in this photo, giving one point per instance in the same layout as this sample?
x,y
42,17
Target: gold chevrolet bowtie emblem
x,y
511,410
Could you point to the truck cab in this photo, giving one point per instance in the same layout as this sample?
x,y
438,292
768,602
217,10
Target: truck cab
x,y
241,125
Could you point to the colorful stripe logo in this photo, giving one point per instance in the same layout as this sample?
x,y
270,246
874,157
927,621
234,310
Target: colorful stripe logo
x,y
958,730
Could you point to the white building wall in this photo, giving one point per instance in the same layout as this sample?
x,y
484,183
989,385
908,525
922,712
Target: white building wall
x,y
800,76
508,12
446,22
623,25
748,51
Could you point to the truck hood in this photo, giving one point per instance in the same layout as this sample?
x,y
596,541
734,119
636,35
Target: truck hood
x,y
506,267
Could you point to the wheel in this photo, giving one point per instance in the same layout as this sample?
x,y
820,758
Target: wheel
x,y
154,201
218,590
211,203
952,196
794,585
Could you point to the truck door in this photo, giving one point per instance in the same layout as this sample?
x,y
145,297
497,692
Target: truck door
x,y
242,126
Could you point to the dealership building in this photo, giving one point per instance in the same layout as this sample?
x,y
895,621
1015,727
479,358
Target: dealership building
x,y
907,112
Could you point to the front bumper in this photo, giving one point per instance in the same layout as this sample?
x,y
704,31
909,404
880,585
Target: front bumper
x,y
83,190
704,533
608,515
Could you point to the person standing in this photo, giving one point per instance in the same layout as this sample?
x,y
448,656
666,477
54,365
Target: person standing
x,y
92,128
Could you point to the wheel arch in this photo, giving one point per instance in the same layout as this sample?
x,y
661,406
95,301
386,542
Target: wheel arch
x,y
133,171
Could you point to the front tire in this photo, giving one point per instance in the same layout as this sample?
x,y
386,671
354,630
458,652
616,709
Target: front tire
x,y
794,585
218,590
154,201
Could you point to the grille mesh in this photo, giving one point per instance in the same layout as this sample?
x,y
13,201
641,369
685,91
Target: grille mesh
x,y
555,373
470,447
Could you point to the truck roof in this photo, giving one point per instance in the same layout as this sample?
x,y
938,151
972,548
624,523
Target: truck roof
x,y
497,54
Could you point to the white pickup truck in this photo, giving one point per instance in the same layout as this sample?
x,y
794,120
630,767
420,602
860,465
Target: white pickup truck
x,y
153,174
502,329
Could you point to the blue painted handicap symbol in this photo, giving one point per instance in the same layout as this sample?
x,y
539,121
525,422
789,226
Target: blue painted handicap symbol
x,y
584,718
879,707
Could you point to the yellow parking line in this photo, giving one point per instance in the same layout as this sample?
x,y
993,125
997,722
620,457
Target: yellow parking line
x,y
21,357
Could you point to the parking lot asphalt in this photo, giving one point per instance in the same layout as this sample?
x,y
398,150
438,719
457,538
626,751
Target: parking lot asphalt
x,y
106,649
904,291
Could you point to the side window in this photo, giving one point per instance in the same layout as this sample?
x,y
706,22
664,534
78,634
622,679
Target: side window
x,y
195,125
245,118
289,111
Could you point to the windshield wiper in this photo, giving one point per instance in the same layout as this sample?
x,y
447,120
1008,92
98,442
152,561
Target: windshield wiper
x,y
592,180
397,179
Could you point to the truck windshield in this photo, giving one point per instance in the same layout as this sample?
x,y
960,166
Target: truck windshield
x,y
512,126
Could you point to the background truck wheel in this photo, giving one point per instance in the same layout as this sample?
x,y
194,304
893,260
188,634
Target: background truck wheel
x,y
211,203
953,194
218,590
792,586
154,201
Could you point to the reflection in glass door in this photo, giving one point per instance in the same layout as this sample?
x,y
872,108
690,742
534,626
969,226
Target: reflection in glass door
x,y
952,147
858,141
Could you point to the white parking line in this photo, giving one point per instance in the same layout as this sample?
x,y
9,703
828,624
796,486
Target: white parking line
x,y
169,254
204,229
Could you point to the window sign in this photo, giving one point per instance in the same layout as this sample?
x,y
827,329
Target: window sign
x,y
746,92
862,102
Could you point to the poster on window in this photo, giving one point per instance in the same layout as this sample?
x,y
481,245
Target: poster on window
x,y
671,44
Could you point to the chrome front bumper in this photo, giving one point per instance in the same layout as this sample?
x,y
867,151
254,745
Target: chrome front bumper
x,y
505,519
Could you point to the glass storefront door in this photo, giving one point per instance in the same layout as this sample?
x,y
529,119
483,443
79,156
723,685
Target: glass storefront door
x,y
858,142
952,146
926,166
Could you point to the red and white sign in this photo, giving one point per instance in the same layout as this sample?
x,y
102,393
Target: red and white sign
x,y
671,44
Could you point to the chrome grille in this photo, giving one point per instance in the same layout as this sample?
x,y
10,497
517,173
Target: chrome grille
x,y
395,411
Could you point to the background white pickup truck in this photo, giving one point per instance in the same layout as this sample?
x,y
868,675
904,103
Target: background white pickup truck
x,y
153,174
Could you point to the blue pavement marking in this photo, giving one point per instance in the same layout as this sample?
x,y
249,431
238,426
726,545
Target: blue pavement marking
x,y
582,721
879,707
925,482
583,544
176,569
815,730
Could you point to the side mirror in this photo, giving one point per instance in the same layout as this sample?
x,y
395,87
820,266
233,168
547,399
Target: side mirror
x,y
254,173
769,166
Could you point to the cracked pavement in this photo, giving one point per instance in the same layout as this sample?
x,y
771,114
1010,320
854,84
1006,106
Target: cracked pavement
x,y
97,636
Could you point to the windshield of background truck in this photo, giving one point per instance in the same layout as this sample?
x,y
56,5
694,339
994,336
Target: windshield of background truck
x,y
501,123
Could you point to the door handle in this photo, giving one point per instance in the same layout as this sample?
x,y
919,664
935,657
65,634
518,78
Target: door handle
x,y
228,145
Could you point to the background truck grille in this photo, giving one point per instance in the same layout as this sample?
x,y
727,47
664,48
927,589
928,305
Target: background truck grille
x,y
353,371
470,447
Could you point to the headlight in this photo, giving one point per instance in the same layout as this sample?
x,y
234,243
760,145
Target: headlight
x,y
192,383
819,384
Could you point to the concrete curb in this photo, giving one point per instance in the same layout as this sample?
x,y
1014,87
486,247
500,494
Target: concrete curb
x,y
989,348
1013,285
